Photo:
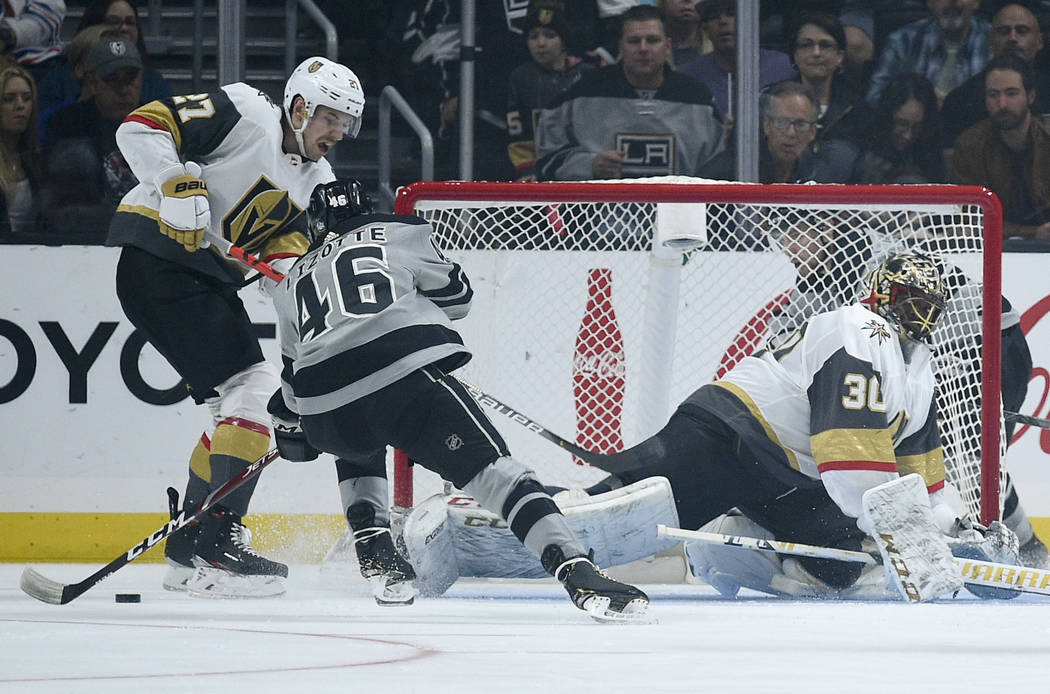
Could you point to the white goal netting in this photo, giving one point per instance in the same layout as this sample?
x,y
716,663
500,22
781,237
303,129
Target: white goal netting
x,y
585,321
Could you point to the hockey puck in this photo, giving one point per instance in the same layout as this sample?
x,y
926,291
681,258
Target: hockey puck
x,y
129,597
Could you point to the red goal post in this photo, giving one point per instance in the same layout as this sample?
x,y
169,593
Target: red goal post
x,y
589,318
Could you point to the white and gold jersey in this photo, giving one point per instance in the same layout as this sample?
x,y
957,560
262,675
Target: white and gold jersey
x,y
840,401
257,192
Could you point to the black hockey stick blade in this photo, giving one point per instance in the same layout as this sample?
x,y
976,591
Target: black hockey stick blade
x,y
42,588
1019,418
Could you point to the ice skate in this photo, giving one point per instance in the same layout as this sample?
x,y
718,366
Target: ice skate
x,y
1034,554
592,591
385,568
227,566
178,554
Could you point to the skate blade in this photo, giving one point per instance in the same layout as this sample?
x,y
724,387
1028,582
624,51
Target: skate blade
x,y
176,578
217,583
634,612
392,594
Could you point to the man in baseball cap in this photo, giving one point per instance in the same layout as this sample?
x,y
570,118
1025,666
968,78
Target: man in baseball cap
x,y
113,73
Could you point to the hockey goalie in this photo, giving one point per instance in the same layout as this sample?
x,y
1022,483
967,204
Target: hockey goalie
x,y
829,439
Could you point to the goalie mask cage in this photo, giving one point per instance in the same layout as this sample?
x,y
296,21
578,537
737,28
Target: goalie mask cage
x,y
598,307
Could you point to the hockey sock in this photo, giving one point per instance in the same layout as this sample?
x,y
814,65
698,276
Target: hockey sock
x,y
236,443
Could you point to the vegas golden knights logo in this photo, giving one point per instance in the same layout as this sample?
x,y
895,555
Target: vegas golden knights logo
x,y
314,66
261,211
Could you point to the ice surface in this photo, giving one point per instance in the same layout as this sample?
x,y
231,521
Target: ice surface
x,y
504,637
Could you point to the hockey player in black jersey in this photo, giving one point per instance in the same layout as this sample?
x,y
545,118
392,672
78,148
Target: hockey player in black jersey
x,y
367,348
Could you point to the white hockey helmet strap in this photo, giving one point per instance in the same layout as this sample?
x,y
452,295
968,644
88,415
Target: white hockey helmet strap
x,y
323,82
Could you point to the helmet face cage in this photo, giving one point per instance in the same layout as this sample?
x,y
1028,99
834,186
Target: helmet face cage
x,y
908,290
331,203
322,82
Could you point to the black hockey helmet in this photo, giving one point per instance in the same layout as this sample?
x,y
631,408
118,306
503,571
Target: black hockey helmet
x,y
331,203
908,290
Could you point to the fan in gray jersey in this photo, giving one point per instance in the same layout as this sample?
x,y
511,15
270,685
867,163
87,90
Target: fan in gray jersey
x,y
367,344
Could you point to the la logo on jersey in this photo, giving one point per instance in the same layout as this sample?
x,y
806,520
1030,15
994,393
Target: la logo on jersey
x,y
261,211
646,154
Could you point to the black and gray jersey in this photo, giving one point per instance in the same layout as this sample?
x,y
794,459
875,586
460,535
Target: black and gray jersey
x,y
366,309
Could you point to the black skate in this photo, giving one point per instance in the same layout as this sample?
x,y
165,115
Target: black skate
x,y
228,565
1034,554
385,568
178,553
592,591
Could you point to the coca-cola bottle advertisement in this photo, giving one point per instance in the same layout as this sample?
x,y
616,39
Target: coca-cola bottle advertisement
x,y
599,369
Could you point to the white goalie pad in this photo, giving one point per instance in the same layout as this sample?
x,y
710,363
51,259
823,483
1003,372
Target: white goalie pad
x,y
467,540
914,551
428,540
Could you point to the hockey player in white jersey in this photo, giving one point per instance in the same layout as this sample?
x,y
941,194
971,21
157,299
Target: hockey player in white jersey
x,y
367,347
798,438
233,164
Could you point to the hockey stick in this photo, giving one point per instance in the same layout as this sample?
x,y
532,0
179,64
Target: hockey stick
x,y
47,590
981,573
243,257
532,425
1028,419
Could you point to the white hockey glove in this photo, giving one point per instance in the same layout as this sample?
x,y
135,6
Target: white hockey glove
x,y
184,214
288,432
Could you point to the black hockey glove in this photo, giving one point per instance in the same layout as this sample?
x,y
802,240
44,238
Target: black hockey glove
x,y
289,434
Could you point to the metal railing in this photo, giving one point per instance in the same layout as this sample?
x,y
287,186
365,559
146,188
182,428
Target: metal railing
x,y
388,98
230,57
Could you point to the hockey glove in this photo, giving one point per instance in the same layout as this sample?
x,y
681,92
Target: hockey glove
x,y
996,543
288,433
184,214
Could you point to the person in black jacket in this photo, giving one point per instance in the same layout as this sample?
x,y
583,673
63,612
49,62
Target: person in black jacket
x,y
818,51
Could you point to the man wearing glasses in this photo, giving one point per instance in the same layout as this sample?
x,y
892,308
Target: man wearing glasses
x,y
789,151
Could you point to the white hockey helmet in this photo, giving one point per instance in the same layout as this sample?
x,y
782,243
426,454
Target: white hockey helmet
x,y
323,82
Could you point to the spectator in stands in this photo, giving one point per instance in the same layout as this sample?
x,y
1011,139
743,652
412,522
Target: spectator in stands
x,y
859,27
76,53
947,48
818,50
433,41
789,151
85,167
29,33
1009,152
637,118
61,86
716,69
1015,31
534,85
904,146
683,28
21,165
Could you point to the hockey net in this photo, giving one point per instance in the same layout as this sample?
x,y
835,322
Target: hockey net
x,y
585,320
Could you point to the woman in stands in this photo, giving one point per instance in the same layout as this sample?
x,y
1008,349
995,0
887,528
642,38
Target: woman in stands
x,y
905,147
818,49
20,159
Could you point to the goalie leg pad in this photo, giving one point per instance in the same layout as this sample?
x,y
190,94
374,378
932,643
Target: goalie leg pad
x,y
728,569
620,526
915,553
429,541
